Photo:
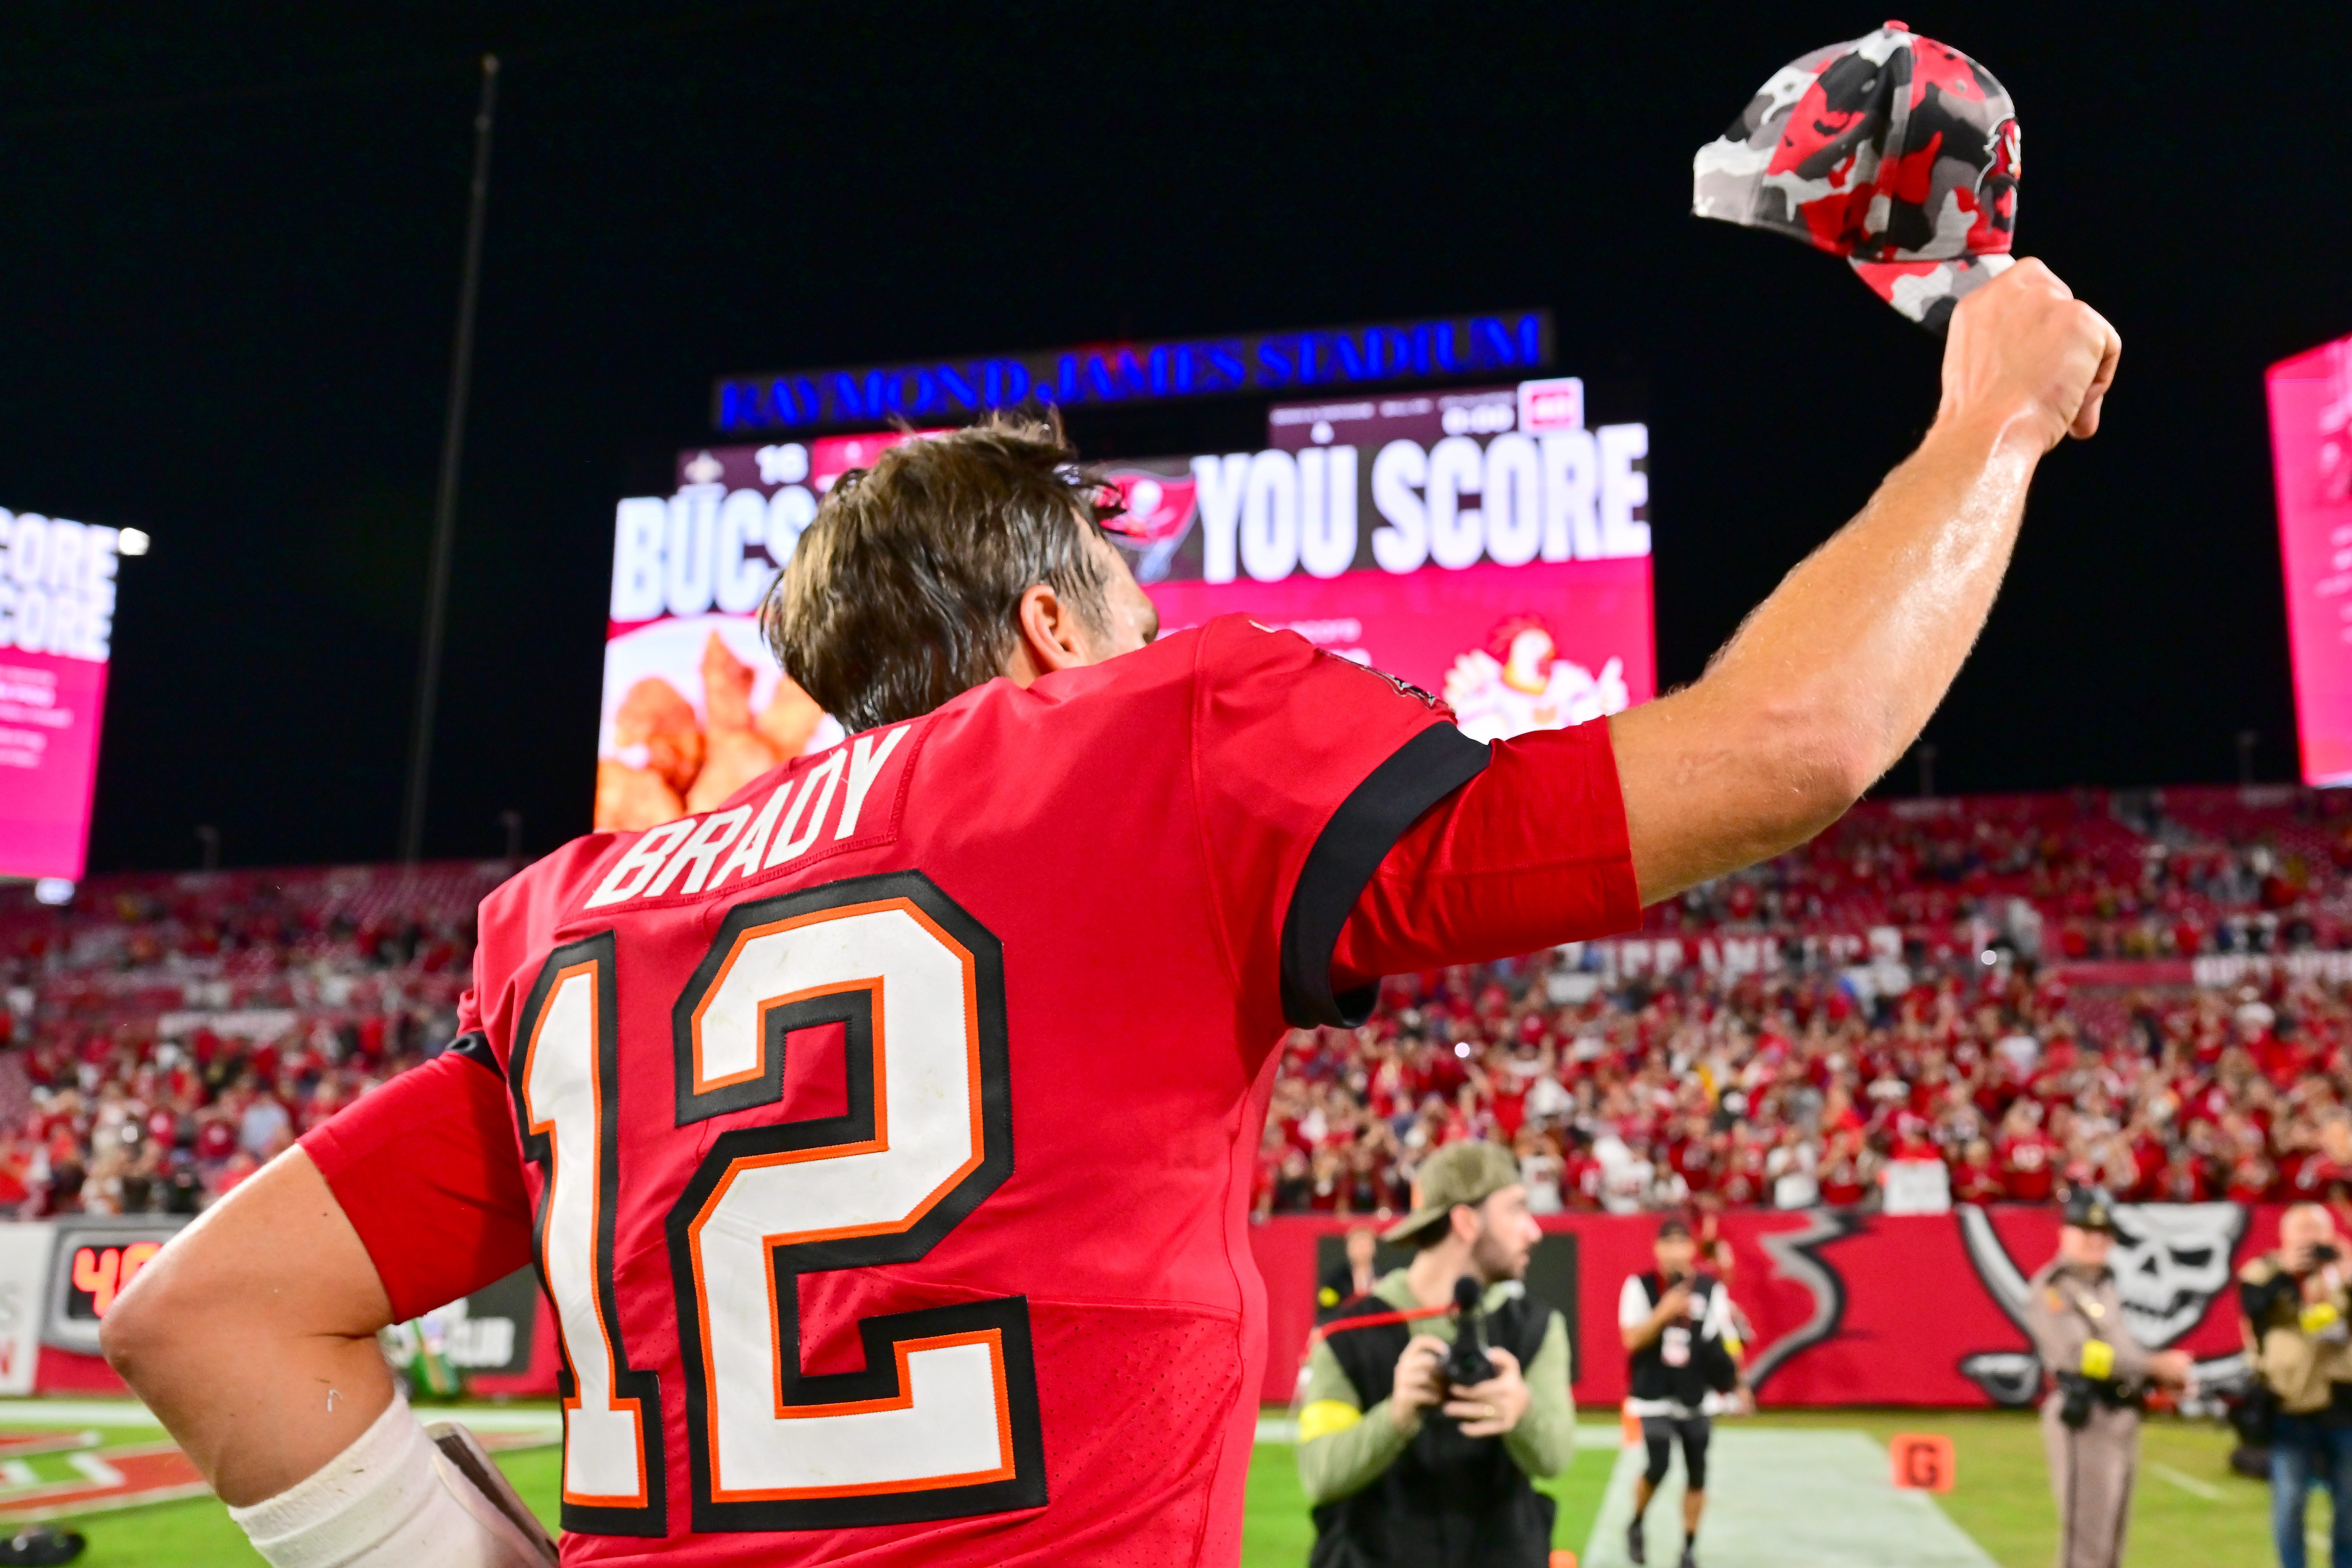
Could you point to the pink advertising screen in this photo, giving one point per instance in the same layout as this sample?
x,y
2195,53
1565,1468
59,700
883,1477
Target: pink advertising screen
x,y
2311,447
56,616
1535,646
1485,545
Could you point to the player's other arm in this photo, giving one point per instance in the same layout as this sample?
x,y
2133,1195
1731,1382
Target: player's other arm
x,y
252,1336
1831,678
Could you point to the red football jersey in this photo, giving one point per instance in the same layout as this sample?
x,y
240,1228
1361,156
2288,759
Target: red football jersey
x,y
2029,1164
889,1132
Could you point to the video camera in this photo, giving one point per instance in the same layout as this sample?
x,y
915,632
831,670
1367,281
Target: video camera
x,y
1469,1363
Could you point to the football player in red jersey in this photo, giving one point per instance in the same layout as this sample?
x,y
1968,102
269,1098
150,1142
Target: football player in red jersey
x,y
884,1135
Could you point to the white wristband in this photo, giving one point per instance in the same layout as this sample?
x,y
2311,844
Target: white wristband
x,y
389,1500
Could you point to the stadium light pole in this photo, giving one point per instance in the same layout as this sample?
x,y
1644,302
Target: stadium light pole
x,y
444,497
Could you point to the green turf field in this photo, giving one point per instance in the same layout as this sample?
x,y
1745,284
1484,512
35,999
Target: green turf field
x,y
2188,1509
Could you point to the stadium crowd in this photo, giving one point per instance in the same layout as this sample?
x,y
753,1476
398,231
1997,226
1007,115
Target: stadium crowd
x,y
163,1035
2003,986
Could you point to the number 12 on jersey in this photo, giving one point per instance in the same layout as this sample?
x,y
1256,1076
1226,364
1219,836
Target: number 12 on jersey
x,y
943,1421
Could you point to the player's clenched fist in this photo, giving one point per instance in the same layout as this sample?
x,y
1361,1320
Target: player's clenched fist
x,y
2023,346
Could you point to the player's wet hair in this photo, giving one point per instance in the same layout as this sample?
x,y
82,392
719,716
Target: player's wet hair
x,y
903,592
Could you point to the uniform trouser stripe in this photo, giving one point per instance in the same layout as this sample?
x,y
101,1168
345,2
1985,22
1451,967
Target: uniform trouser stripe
x,y
2122,1514
2066,1513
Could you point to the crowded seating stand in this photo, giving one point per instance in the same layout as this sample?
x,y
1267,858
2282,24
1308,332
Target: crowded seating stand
x,y
2006,988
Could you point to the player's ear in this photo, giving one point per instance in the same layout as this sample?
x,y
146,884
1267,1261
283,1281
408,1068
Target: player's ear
x,y
1046,635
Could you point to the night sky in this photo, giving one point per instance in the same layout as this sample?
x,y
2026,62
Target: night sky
x,y
230,272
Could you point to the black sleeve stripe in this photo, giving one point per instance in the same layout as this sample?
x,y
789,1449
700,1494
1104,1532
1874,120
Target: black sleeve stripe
x,y
1421,773
475,1046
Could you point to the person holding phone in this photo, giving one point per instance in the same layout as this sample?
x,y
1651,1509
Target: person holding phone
x,y
1678,1328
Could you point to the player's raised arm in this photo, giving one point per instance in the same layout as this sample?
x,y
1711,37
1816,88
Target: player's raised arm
x,y
1564,834
1831,678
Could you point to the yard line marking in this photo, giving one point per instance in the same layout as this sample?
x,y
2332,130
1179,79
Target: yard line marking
x,y
26,1445
96,1468
1789,1499
153,1472
2187,1482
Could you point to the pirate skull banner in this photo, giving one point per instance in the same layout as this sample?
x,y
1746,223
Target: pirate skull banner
x,y
1851,1308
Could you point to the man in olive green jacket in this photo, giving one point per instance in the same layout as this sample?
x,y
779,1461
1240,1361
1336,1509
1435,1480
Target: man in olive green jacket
x,y
1404,1466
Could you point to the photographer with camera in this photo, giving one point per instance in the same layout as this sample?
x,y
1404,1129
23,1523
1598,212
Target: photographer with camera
x,y
1431,1405
1677,1325
2295,1307
2099,1373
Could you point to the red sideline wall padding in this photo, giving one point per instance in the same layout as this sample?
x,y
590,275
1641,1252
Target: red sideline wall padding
x,y
71,1371
1849,1308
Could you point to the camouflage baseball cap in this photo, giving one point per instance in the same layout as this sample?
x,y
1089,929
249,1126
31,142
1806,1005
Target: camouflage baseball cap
x,y
1457,1173
1895,152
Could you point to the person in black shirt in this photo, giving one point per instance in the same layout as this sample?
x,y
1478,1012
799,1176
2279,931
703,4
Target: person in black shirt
x,y
1684,1354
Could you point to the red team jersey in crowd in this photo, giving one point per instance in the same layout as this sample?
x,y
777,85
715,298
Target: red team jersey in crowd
x,y
885,1138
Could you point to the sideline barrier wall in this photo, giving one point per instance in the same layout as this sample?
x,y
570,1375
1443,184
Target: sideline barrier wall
x,y
1851,1308
57,1278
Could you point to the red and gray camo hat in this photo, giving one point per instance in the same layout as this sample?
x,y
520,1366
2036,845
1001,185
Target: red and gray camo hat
x,y
1895,152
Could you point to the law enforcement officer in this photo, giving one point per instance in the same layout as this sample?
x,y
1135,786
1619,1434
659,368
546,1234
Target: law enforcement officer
x,y
2098,1372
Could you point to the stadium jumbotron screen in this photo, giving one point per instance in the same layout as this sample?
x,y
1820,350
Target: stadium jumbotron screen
x,y
56,620
1485,544
2311,446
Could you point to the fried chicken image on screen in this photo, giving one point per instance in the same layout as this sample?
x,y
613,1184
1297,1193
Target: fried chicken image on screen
x,y
655,720
789,718
674,763
737,753
653,715
630,798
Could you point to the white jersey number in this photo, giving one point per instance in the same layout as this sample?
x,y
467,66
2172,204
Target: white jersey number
x,y
942,1422
565,1072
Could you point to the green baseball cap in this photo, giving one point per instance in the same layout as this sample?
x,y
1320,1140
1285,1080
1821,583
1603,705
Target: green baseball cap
x,y
1457,1173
